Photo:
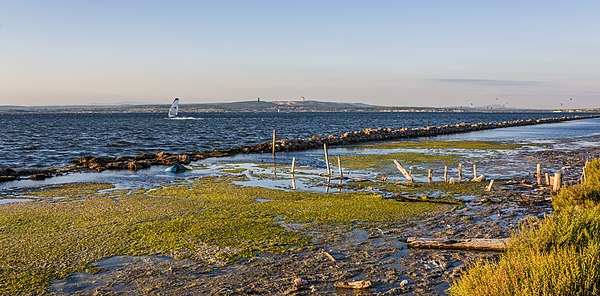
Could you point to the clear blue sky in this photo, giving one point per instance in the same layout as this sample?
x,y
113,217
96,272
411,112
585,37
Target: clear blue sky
x,y
415,53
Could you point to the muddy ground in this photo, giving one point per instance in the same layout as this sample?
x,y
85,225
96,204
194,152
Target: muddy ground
x,y
376,253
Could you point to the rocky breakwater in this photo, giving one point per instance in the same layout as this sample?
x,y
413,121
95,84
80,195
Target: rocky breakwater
x,y
91,163
381,134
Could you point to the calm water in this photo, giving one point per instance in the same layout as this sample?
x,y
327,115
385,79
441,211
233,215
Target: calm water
x,y
51,140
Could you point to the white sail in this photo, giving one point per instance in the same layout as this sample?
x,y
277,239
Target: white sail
x,y
174,108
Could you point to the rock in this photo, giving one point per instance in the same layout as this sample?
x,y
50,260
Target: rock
x,y
300,283
8,178
404,283
136,165
353,285
8,172
39,176
183,158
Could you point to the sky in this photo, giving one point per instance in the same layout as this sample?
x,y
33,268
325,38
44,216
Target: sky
x,y
526,53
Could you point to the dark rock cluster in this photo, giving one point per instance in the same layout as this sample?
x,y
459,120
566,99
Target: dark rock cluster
x,y
91,163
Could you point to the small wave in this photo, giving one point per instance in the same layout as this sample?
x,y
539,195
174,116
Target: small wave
x,y
186,118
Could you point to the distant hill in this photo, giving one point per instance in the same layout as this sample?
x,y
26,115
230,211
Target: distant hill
x,y
259,106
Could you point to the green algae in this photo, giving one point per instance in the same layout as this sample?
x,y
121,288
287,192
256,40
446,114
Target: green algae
x,y
45,241
70,190
234,170
443,189
384,162
475,145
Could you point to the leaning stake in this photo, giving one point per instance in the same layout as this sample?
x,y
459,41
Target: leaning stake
x,y
403,171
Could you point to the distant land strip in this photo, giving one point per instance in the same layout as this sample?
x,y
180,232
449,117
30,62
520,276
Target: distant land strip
x,y
98,164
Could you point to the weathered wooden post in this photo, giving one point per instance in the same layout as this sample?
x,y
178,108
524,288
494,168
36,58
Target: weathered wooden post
x,y
293,165
326,158
404,171
430,176
474,171
445,174
459,172
274,140
557,182
539,174
340,167
547,179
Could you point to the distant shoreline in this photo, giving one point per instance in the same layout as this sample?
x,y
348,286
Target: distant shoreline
x,y
273,106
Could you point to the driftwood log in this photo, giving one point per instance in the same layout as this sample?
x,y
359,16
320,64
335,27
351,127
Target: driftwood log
x,y
473,244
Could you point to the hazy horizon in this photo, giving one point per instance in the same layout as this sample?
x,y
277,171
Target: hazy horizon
x,y
532,54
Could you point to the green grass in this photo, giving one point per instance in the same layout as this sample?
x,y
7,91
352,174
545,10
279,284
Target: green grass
x,y
476,145
559,255
45,241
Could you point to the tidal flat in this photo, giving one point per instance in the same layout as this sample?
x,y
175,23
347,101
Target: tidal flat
x,y
237,230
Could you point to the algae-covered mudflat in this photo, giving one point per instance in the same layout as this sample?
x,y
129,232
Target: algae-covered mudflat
x,y
233,227
209,217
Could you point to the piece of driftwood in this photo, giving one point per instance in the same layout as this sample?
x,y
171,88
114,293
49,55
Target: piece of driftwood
x,y
329,257
489,187
478,179
404,171
473,244
353,285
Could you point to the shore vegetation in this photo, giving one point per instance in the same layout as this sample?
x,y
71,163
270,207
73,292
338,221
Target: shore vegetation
x,y
557,255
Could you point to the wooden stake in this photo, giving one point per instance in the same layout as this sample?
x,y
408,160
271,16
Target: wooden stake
x,y
547,179
430,176
474,171
326,158
489,187
445,174
274,140
404,171
557,182
340,167
293,165
539,174
459,172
